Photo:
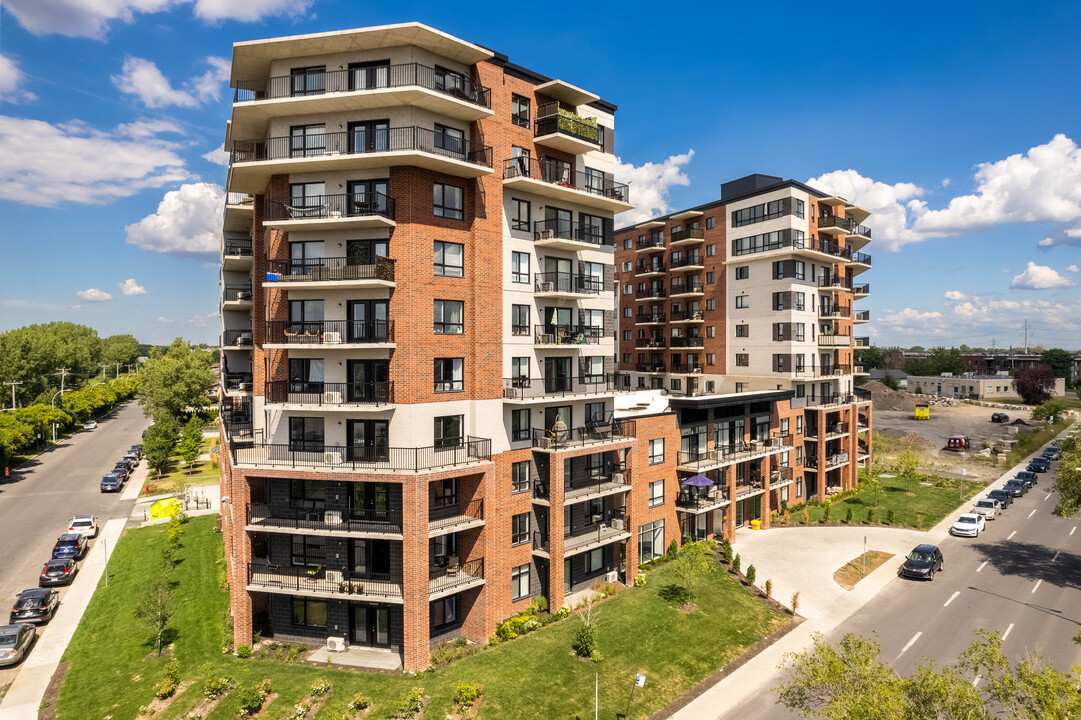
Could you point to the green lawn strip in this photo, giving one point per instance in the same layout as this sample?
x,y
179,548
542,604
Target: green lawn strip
x,y
637,632
1029,442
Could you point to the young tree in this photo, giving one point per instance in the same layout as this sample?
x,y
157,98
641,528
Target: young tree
x,y
891,382
1051,408
192,442
178,380
696,562
1068,478
907,463
155,608
159,443
1034,385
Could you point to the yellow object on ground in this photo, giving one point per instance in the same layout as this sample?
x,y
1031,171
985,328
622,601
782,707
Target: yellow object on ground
x,y
164,508
923,412
756,524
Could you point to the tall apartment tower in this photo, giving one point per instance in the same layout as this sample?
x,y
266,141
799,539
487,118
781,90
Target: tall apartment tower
x,y
742,311
417,338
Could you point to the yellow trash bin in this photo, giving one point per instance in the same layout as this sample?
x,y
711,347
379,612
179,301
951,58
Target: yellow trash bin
x,y
756,524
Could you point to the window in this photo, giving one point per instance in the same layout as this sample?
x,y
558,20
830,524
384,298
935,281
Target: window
x,y
656,493
447,201
309,551
711,331
444,611
627,243
626,289
309,613
591,227
595,412
784,427
627,266
799,423
519,419
743,272
711,359
710,222
595,560
519,369
742,359
627,334
519,110
626,357
656,451
710,303
449,259
449,375
743,301
519,267
519,582
593,369
519,320
711,250
743,330
449,317
760,243
306,434
307,141
520,217
651,541
741,387
627,312
519,477
448,431
758,213
710,386
799,208
709,277
450,140
519,532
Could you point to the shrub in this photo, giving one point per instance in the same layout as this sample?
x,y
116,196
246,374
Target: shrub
x,y
673,548
300,711
563,612
826,513
870,515
319,688
640,579
795,601
294,651
727,553
170,680
585,641
466,694
443,653
889,516
769,588
784,507
359,702
243,651
409,705
750,574
216,686
541,604
250,698
806,517
735,564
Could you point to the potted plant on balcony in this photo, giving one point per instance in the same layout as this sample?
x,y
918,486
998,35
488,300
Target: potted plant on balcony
x,y
317,571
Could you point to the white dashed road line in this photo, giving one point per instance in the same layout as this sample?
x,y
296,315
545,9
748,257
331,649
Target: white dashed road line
x,y
1032,513
1047,498
913,642
976,681
1056,556
955,594
1010,536
1037,587
984,563
1072,530
1006,634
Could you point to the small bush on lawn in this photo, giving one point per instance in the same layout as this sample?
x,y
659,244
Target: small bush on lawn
x,y
250,698
870,515
319,688
215,685
640,579
359,702
769,588
300,711
170,681
466,694
409,705
889,516
585,641
825,513
673,548
848,516
735,564
243,651
750,574
727,552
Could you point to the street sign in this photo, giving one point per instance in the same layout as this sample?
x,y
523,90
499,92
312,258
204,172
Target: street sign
x,y
640,680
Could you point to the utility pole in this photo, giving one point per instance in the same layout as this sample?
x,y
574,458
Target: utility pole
x,y
1026,335
13,383
63,373
118,370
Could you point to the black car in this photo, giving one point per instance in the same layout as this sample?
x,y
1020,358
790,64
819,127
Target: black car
x,y
1030,477
123,466
1002,496
121,471
1040,464
1016,488
138,450
923,562
70,546
60,571
37,605
1000,417
15,642
1052,453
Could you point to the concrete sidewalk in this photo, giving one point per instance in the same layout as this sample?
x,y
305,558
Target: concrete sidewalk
x,y
24,696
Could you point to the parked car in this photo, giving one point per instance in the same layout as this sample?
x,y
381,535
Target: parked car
x,y
132,457
90,424
957,443
1039,464
1004,498
121,470
70,546
128,465
923,562
999,417
111,482
1030,477
58,571
1052,453
137,448
1016,488
988,508
15,642
969,525
85,525
36,605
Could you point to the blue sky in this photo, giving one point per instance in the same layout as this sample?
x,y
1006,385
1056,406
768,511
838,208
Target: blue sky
x,y
956,123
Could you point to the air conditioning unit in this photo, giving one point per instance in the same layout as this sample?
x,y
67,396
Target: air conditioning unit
x,y
332,337
612,576
617,524
618,479
337,644
334,576
332,398
597,518
244,340
243,387
332,458
243,296
332,517
545,287
547,235
510,393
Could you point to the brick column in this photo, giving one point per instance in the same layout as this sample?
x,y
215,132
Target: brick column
x,y
767,468
415,651
729,475
555,532
238,552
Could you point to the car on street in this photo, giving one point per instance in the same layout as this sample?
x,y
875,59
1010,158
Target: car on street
x,y
1016,488
90,424
59,571
958,443
988,507
70,546
15,642
36,605
1051,453
1039,464
111,482
132,458
126,465
85,525
1030,477
969,525
1004,498
923,562
137,448
122,471
999,417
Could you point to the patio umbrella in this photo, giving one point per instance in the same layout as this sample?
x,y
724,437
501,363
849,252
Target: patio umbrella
x,y
698,481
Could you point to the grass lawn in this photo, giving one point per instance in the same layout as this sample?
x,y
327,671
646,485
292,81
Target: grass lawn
x,y
909,498
857,569
534,676
202,472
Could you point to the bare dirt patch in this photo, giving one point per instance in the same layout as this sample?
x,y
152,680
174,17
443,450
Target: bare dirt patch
x,y
852,572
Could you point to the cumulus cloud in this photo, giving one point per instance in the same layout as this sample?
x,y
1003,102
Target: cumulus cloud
x,y
1072,268
649,185
11,77
46,165
1046,242
889,204
1039,277
218,156
130,287
94,295
164,320
202,321
142,78
955,295
187,223
250,10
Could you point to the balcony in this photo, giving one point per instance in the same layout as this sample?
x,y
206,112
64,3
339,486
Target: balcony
x,y
657,318
566,235
828,463
567,336
237,339
330,396
650,268
526,389
563,130
597,486
836,430
650,293
688,342
858,237
657,367
700,500
253,162
608,528
862,317
237,382
834,282
332,272
602,432
315,455
838,312
238,213
688,236
451,517
236,297
691,261
237,420
834,340
454,578
686,289
650,245
352,211
320,582
335,333
653,343
863,395
748,490
237,255
860,262
702,460
834,225
566,285
823,371
561,182
322,521
256,102
686,368
780,477
862,341
686,316
829,402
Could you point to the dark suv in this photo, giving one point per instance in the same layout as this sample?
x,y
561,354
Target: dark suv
x,y
1029,477
37,605
111,482
1005,498
60,571
1015,487
999,417
923,562
70,546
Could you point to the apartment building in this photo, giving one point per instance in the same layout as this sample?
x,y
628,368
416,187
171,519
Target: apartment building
x,y
742,311
418,344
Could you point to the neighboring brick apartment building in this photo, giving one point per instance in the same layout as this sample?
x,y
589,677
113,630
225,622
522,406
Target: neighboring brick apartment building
x,y
742,312
418,403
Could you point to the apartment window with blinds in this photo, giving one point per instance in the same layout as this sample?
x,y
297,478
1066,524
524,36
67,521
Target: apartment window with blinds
x,y
449,317
651,541
743,272
448,431
519,420
743,330
656,451
449,259
519,529
743,301
519,110
742,359
520,218
519,476
519,582
519,320
519,267
656,493
710,223
449,375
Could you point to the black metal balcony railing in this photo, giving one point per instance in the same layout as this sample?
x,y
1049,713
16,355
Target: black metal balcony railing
x,y
524,388
567,334
551,119
332,268
555,229
236,338
349,457
650,292
236,382
688,260
679,315
446,513
835,221
834,399
686,368
239,199
701,498
688,234
447,578
321,580
565,282
563,174
602,431
347,205
862,395
583,485
826,311
862,258
862,341
742,247
307,392
683,288
649,267
823,370
864,315
651,242
321,518
864,289
657,367
688,342
835,281
329,332
658,317
410,138
238,247
240,293
731,451
360,79
655,342
860,230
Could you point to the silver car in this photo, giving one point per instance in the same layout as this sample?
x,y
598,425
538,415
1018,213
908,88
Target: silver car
x,y
15,642
988,507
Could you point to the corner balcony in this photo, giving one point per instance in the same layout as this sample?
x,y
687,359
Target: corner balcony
x,y
453,578
817,248
237,420
697,461
686,368
646,269
337,334
567,337
322,583
297,520
858,236
352,211
331,272
829,462
610,431
590,487
823,371
750,489
340,458
862,341
699,500
256,102
834,225
611,528
524,390
566,235
834,340
688,236
829,402
236,297
311,395
836,283
566,286
563,130
781,477
236,339
861,291
652,368
451,517
860,262
559,181
862,317
650,245
239,211
237,383
237,255
253,162
657,318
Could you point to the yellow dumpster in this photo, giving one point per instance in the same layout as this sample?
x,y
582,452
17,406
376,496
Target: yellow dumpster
x,y
923,412
756,524
164,508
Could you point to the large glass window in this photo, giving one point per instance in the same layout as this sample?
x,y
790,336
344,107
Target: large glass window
x,y
520,215
449,375
651,541
309,613
450,140
449,259
519,320
448,201
519,529
306,434
519,477
519,267
444,611
309,80
519,582
519,111
307,140
309,551
449,317
448,431
519,424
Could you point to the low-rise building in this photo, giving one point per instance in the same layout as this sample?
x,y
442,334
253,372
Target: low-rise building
x,y
973,387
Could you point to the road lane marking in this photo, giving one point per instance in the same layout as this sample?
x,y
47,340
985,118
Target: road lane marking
x,y
1032,513
1047,498
1056,556
913,642
1072,531
1036,587
976,681
955,594
1011,535
1005,634
982,565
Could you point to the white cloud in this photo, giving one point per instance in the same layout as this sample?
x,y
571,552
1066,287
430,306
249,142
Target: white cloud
x,y
888,204
187,223
142,78
955,295
94,295
202,321
10,79
945,182
649,184
130,287
218,156
1072,268
163,320
1039,277
142,129
1046,242
46,165
250,10
910,315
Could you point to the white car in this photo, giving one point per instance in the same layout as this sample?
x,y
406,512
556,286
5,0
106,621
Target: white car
x,y
969,524
86,525
90,424
988,507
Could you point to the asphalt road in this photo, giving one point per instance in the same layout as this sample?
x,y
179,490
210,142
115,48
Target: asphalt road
x,y
39,500
1021,577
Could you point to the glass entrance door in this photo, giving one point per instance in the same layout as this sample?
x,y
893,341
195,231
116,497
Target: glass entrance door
x,y
369,440
368,197
557,375
368,381
371,136
368,321
371,626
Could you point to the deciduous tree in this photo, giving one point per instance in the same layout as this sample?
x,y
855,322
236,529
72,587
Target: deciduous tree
x,y
1035,385
175,381
155,608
